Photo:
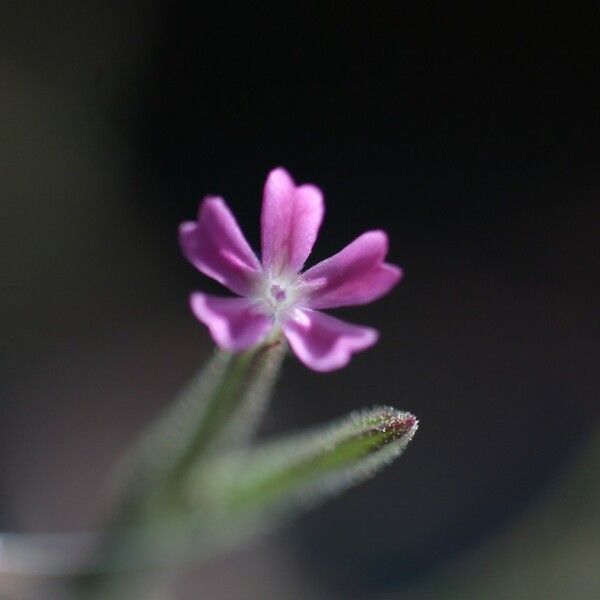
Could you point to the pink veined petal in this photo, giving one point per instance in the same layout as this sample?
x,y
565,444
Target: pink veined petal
x,y
234,323
325,343
355,275
216,246
290,220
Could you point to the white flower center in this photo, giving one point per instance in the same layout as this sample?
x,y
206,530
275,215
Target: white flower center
x,y
278,293
278,296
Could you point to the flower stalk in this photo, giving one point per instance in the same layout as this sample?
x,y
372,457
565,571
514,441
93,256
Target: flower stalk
x,y
219,411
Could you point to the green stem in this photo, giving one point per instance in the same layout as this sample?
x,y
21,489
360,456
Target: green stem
x,y
221,409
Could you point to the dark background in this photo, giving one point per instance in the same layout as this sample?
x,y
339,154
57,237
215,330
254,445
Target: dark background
x,y
473,138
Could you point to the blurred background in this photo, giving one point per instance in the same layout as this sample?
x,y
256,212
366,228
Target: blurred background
x,y
473,138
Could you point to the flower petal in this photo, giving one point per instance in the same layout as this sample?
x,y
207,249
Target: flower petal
x,y
234,323
216,246
325,343
355,275
290,220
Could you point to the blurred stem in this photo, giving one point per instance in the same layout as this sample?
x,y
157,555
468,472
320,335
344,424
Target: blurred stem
x,y
222,408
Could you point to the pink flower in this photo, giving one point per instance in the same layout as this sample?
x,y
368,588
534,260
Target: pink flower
x,y
275,295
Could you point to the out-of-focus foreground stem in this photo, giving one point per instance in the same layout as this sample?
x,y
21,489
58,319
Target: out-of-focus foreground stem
x,y
220,410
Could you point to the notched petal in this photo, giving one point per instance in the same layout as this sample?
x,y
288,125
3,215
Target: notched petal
x,y
355,275
290,221
325,343
235,323
216,246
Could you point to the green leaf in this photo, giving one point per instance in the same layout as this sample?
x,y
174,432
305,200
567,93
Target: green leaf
x,y
279,477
